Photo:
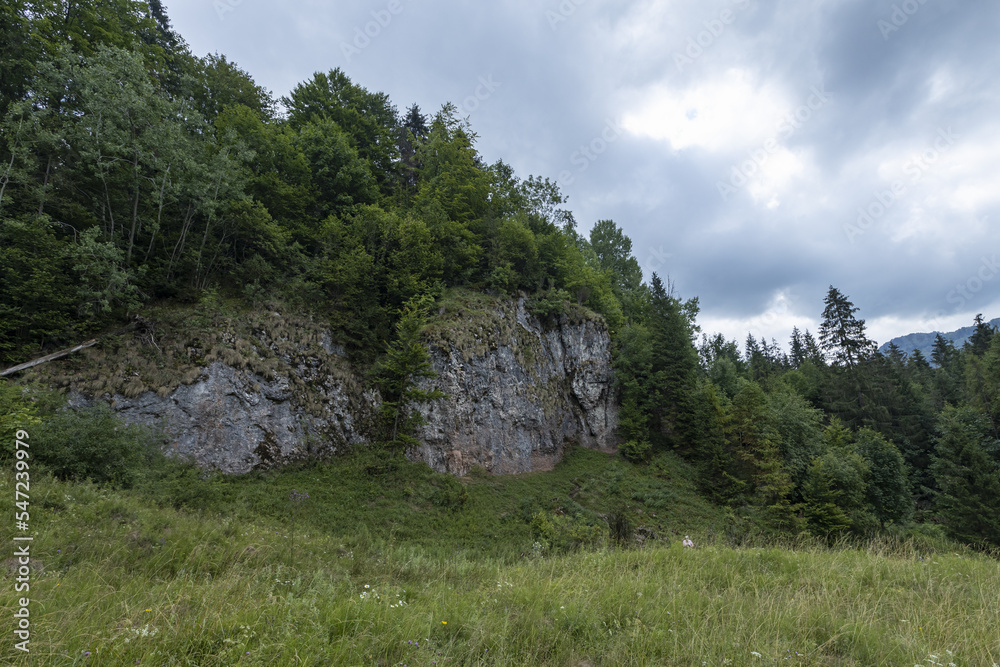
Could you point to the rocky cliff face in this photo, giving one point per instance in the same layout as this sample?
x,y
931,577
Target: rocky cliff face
x,y
518,392
235,421
519,395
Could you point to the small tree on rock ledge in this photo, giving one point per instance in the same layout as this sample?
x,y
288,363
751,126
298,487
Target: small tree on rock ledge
x,y
396,375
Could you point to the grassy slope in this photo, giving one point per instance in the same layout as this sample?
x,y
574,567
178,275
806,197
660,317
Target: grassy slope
x,y
244,576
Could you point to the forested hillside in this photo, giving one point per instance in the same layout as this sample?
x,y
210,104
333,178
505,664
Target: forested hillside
x,y
133,172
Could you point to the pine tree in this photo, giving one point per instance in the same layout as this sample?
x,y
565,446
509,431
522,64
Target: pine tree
x,y
411,133
813,352
406,361
843,337
674,365
798,348
968,476
947,375
754,440
982,382
842,334
979,342
943,354
821,501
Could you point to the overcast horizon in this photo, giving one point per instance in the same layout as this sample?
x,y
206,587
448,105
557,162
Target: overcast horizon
x,y
756,153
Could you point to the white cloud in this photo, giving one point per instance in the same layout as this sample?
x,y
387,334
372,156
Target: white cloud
x,y
774,322
728,113
775,176
941,85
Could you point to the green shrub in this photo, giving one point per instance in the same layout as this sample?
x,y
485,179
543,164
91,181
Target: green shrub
x,y
450,494
94,444
620,527
185,486
562,532
16,413
548,305
636,451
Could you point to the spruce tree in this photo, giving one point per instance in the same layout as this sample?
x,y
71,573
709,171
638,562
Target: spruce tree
x,y
821,501
406,361
842,336
982,383
410,134
813,352
919,365
674,365
979,342
798,348
968,476
943,354
947,375
754,439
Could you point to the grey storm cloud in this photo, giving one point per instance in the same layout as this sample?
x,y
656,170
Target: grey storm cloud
x,y
640,110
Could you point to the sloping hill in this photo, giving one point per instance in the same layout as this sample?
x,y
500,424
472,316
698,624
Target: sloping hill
x,y
925,341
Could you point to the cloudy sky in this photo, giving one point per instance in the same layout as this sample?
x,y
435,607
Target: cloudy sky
x,y
755,151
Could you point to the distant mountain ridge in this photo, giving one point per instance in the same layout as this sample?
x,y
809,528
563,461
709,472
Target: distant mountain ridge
x,y
925,341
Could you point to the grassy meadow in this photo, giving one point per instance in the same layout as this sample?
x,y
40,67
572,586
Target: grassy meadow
x,y
387,563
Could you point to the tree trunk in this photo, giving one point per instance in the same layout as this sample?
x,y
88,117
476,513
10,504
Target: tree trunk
x,y
45,184
135,211
48,357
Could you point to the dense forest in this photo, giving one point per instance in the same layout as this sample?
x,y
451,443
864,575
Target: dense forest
x,y
134,172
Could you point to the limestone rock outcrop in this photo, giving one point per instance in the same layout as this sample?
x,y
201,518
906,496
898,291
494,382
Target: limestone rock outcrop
x,y
520,392
235,421
524,393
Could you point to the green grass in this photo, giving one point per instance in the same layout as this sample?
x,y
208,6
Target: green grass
x,y
388,563
395,500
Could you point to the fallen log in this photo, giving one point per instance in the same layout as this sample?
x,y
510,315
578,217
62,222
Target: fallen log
x,y
48,357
